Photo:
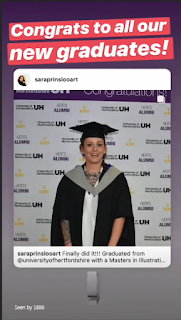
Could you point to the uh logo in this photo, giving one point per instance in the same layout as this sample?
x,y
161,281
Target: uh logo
x,y
145,173
145,125
166,190
166,238
60,91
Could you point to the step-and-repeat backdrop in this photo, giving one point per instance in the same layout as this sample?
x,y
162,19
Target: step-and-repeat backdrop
x,y
45,148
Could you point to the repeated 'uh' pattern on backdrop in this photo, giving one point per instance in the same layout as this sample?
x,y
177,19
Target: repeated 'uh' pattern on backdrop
x,y
45,148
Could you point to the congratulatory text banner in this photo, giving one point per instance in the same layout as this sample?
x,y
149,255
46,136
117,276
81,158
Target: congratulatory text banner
x,y
117,49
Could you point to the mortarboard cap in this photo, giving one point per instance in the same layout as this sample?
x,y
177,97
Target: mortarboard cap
x,y
93,129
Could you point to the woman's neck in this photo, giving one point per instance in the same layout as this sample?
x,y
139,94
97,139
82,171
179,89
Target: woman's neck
x,y
93,167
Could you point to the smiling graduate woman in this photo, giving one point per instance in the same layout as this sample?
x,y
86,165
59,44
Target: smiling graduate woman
x,y
93,204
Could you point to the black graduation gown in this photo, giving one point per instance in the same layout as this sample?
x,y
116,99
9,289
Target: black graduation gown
x,y
114,201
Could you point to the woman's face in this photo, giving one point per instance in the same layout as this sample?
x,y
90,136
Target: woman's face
x,y
93,149
21,79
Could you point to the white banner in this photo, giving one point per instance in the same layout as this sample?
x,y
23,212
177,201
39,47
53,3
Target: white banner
x,y
97,79
99,257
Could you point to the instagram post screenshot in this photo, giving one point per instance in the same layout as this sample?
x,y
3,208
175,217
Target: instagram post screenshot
x,y
92,168
91,161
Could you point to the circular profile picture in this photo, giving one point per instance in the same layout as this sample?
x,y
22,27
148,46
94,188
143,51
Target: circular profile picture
x,y
23,80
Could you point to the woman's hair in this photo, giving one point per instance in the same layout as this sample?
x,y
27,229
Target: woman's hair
x,y
20,77
82,140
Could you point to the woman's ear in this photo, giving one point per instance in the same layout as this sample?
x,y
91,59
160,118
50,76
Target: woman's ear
x,y
82,149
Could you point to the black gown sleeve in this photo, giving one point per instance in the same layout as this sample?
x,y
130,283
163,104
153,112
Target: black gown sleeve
x,y
123,209
123,199
60,211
